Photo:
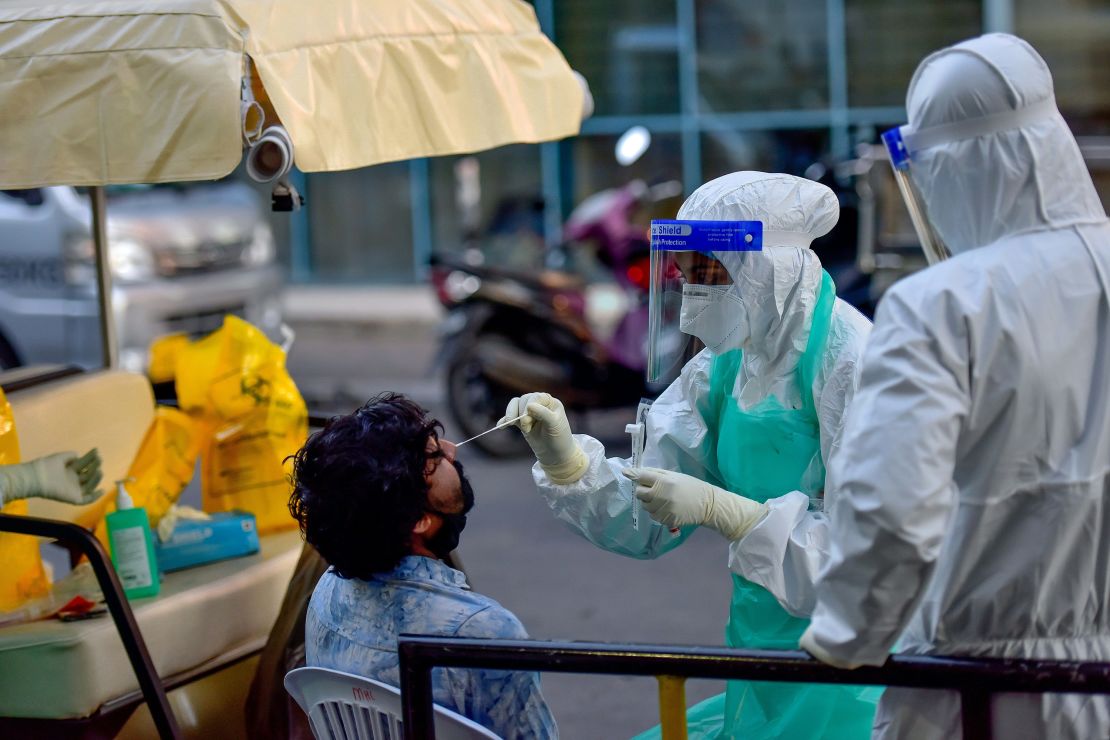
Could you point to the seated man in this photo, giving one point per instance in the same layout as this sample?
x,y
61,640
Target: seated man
x,y
382,498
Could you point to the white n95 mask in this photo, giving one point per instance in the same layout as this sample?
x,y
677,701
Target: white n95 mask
x,y
715,315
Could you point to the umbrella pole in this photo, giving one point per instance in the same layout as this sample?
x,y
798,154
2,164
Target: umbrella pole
x,y
103,276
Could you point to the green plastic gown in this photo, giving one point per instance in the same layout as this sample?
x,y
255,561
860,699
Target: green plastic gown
x,y
766,452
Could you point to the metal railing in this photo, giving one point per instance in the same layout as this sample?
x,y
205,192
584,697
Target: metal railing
x,y
976,679
82,540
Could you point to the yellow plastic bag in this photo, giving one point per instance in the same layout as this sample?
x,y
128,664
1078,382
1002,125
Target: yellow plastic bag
x,y
22,576
162,467
235,381
165,462
163,357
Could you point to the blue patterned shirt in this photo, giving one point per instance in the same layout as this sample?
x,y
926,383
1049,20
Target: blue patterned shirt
x,y
352,626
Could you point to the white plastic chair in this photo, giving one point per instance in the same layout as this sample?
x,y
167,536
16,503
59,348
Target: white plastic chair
x,y
342,706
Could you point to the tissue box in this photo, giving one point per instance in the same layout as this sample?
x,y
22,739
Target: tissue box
x,y
226,535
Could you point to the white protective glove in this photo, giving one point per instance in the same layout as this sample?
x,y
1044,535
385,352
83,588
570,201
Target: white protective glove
x,y
61,477
680,500
547,431
810,645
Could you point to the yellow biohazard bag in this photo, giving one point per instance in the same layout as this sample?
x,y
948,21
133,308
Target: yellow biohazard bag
x,y
163,357
165,462
234,381
22,576
162,467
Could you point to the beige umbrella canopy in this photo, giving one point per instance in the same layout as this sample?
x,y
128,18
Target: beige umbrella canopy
x,y
145,91
142,91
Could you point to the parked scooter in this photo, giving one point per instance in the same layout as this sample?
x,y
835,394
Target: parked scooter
x,y
510,331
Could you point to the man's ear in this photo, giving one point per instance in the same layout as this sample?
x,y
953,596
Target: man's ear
x,y
423,525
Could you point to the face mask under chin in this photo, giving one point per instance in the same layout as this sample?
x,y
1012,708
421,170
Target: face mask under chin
x,y
447,538
713,314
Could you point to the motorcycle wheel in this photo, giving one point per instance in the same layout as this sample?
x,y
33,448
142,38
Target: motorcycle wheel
x,y
476,404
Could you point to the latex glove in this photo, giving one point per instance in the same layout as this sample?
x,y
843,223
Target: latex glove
x,y
547,431
810,645
61,477
680,500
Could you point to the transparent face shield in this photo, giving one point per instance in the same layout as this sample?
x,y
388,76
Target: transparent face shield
x,y
901,159
691,290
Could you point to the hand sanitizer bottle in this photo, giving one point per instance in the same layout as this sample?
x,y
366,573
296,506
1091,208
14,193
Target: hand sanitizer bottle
x,y
132,547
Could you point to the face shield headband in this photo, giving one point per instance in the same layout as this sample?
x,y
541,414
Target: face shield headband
x,y
684,269
904,143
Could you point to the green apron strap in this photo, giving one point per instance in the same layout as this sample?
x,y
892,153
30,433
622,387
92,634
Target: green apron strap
x,y
818,339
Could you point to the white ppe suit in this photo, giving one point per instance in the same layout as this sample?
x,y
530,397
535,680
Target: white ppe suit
x,y
969,507
778,289
729,437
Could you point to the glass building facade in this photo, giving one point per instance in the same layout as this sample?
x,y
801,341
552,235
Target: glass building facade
x,y
722,85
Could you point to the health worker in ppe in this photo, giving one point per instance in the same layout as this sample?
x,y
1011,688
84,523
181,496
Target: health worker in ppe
x,y
969,505
750,418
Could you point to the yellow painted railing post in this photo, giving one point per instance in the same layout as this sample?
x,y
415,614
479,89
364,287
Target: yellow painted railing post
x,y
672,707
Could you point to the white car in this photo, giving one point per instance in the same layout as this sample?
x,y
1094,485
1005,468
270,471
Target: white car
x,y
182,257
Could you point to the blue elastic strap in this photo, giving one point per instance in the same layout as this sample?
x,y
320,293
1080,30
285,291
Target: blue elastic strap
x,y
706,236
896,148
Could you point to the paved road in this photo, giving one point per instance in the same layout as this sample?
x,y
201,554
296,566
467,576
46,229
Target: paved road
x,y
514,550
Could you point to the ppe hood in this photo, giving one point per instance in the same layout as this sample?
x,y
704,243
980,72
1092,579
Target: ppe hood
x,y
994,158
777,287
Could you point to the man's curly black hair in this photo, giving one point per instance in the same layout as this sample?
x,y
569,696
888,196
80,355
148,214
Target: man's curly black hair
x,y
359,484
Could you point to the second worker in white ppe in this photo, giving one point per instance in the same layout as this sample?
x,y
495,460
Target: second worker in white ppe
x,y
970,503
729,444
